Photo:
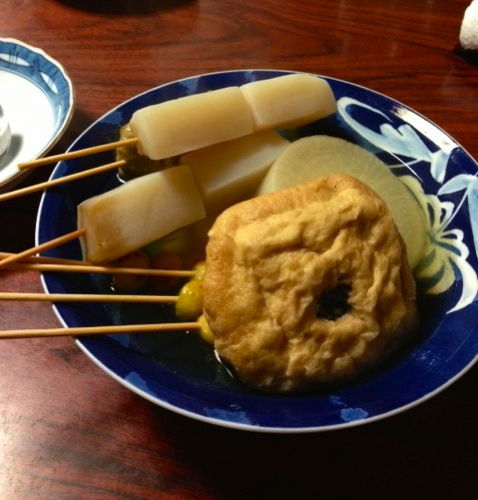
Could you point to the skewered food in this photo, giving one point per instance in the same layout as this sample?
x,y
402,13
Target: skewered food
x,y
190,299
192,122
304,286
138,212
196,121
289,101
307,285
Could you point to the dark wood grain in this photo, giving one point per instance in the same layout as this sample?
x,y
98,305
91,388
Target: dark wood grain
x,y
68,431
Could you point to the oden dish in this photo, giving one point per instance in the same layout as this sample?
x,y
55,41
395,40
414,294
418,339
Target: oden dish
x,y
178,372
307,285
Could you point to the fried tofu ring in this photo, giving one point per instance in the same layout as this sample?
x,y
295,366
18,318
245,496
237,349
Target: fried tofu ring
x,y
308,285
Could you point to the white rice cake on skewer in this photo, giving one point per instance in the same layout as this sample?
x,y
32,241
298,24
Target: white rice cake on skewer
x,y
138,212
188,123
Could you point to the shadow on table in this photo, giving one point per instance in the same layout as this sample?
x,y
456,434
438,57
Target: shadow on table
x,y
413,455
121,7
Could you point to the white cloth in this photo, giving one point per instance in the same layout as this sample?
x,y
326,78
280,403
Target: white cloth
x,y
469,27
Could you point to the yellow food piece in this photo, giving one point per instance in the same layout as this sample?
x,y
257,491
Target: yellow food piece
x,y
190,301
192,122
200,269
204,331
230,171
138,212
317,156
289,101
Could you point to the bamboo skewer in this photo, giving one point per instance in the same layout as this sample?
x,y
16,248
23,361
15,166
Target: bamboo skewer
x,y
88,297
54,264
98,330
77,154
28,260
32,259
72,268
60,180
42,247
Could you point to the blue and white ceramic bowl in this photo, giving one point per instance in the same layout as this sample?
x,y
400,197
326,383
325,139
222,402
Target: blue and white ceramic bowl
x,y
37,97
179,372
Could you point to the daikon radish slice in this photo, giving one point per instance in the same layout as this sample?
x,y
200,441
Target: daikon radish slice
x,y
317,156
138,212
230,171
188,123
289,101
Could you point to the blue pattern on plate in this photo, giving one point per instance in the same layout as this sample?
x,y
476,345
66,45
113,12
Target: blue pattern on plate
x,y
34,65
181,373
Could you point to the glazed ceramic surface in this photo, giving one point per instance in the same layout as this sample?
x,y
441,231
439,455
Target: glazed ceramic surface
x,y
180,372
37,97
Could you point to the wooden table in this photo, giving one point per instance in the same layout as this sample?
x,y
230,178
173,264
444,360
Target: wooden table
x,y
67,430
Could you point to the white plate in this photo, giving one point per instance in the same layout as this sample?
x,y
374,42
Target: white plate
x,y
37,98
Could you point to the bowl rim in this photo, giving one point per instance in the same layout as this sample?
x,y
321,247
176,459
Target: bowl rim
x,y
62,125
237,425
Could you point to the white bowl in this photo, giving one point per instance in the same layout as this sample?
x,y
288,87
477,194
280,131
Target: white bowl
x,y
37,98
